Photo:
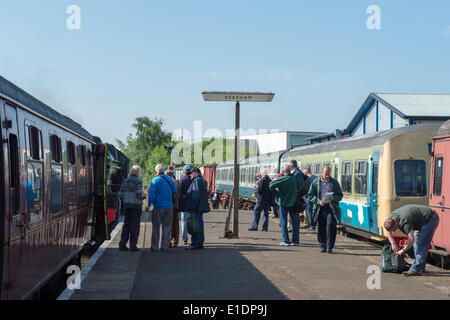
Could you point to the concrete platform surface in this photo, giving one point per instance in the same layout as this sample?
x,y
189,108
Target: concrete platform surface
x,y
254,266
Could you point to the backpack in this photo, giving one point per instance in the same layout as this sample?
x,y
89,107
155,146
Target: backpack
x,y
193,225
392,262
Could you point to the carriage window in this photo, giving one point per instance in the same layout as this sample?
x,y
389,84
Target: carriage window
x,y
346,177
83,155
71,152
317,168
71,188
83,183
55,145
89,158
410,178
35,150
56,185
438,168
14,174
327,164
34,189
361,177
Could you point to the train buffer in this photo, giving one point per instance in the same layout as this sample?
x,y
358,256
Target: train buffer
x,y
253,266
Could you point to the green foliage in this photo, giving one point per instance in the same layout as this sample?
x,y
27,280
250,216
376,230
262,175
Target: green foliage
x,y
146,148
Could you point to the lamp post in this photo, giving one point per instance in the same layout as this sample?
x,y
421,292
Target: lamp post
x,y
237,97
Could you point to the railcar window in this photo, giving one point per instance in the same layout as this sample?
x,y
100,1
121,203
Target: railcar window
x,y
438,168
410,178
346,176
71,152
327,164
317,168
56,188
361,177
71,188
35,150
34,190
375,178
336,171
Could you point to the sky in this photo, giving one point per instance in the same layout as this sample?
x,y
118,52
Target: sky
x,y
154,58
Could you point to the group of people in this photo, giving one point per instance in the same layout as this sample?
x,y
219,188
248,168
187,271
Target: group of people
x,y
292,190
225,198
295,191
171,200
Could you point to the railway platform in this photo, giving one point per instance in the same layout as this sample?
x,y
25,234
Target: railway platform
x,y
253,267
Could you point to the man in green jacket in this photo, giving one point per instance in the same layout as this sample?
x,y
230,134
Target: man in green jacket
x,y
324,195
285,190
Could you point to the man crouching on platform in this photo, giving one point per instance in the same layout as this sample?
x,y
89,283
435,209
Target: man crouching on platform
x,y
419,223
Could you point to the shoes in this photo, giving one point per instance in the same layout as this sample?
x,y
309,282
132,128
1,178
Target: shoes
x,y
124,248
201,247
284,244
192,248
264,230
252,229
305,226
135,249
323,250
330,251
185,242
411,273
294,244
312,229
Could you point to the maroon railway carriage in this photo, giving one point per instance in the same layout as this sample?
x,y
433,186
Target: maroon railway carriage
x,y
46,191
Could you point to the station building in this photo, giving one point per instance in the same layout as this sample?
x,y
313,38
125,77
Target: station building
x,y
384,111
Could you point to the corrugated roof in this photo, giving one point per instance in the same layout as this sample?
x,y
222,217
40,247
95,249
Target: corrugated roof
x,y
418,105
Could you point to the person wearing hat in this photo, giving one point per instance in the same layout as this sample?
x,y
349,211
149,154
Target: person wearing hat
x,y
184,184
197,204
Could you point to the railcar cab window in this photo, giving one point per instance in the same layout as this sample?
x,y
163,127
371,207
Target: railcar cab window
x,y
360,177
56,179
410,178
82,175
346,176
71,176
438,169
35,169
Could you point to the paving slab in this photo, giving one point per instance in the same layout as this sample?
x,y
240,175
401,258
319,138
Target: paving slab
x,y
254,266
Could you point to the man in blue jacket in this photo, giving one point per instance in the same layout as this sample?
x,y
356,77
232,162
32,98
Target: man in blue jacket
x,y
160,195
197,204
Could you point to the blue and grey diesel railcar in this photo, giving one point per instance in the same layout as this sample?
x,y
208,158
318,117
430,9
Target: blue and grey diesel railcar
x,y
248,169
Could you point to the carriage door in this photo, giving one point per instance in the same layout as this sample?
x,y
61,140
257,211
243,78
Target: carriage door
x,y
373,192
15,218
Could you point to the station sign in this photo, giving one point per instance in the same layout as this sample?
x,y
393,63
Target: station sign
x,y
237,96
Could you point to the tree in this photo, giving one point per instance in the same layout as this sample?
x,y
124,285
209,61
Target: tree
x,y
147,146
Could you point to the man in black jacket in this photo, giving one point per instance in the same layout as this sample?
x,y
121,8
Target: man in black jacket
x,y
263,199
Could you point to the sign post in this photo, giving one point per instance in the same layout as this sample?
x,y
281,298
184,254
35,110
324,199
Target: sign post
x,y
236,97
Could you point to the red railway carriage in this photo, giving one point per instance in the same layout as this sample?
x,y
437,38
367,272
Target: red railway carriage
x,y
209,173
440,187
